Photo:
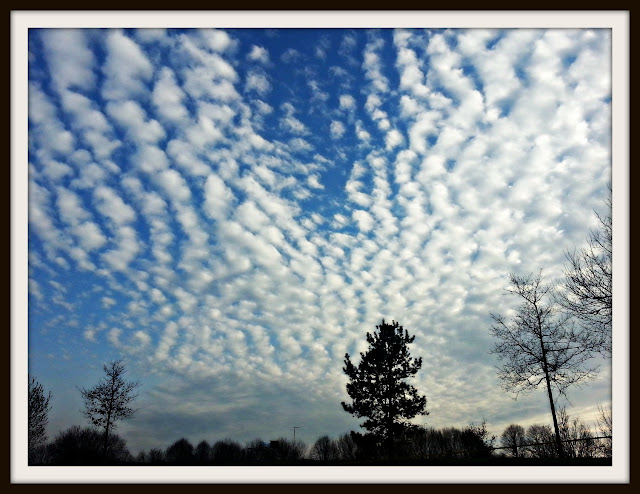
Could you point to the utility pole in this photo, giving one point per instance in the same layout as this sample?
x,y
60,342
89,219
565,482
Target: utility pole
x,y
294,433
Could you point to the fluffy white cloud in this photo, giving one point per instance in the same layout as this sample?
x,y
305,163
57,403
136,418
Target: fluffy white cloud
x,y
111,205
126,68
393,139
132,117
258,54
49,131
347,102
217,39
257,82
168,97
337,129
290,122
89,235
218,197
364,219
70,59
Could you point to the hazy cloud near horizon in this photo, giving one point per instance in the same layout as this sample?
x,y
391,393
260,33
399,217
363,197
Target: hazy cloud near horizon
x,y
232,210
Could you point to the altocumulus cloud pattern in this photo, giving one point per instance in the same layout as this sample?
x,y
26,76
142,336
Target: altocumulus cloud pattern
x,y
231,211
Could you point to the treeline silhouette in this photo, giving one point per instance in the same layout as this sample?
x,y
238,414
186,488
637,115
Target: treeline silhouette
x,y
471,445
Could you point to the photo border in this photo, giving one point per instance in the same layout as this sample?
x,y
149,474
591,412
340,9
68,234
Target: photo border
x,y
617,21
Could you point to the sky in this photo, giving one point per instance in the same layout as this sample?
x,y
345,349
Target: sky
x,y
231,210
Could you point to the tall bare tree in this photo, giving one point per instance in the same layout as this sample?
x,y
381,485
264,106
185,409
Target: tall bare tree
x,y
109,400
38,409
540,345
586,291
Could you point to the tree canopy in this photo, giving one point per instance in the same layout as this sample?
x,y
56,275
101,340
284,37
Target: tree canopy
x,y
109,400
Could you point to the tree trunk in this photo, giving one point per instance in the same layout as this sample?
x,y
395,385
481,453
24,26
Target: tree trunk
x,y
545,368
555,420
108,424
551,404
106,442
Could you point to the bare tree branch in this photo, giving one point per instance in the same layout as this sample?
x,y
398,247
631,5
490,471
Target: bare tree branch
x,y
586,292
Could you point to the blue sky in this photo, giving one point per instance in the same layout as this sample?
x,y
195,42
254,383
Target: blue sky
x,y
231,210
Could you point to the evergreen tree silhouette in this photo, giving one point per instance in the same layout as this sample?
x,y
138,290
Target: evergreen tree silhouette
x,y
378,388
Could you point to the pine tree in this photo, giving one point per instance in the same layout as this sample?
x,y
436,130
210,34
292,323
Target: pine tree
x,y
378,388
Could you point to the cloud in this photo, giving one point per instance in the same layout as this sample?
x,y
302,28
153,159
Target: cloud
x,y
49,130
393,139
70,60
290,122
365,220
95,129
174,185
89,235
347,102
217,39
205,132
317,94
218,197
337,129
111,205
168,97
290,56
257,82
362,134
372,66
258,54
132,117
126,68
128,247
314,182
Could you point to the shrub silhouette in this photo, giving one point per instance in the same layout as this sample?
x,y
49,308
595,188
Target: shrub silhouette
x,y
85,446
180,453
227,452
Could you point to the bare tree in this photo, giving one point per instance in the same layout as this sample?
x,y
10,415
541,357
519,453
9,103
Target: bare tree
x,y
605,428
514,438
109,400
39,409
578,440
586,291
325,449
287,451
540,345
541,441
347,448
